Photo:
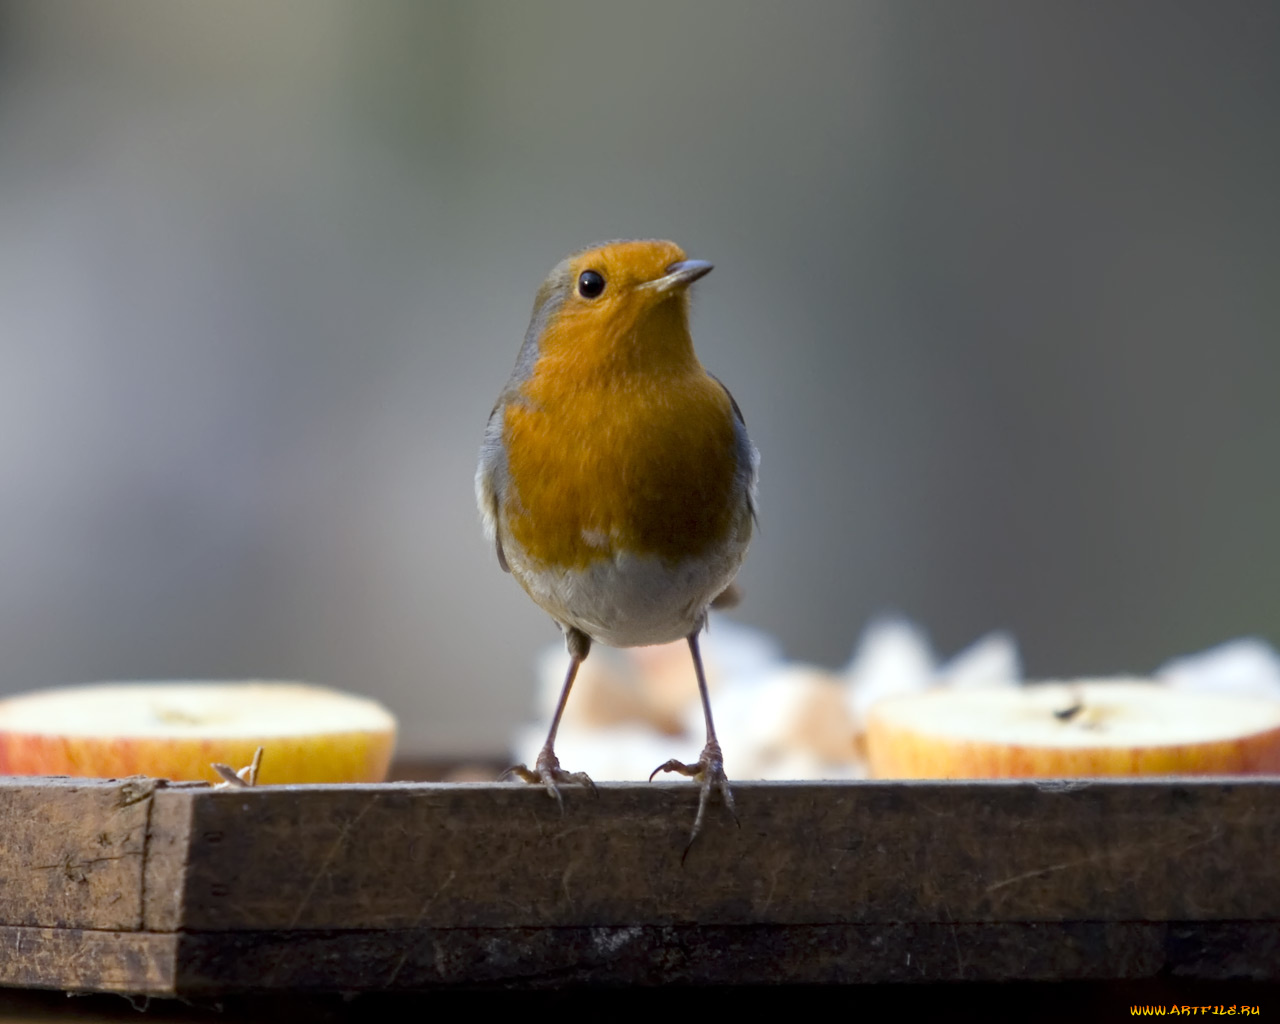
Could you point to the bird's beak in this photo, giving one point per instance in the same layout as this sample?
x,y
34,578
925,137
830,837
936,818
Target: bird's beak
x,y
680,275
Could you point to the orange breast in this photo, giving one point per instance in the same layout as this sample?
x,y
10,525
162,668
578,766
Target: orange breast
x,y
637,463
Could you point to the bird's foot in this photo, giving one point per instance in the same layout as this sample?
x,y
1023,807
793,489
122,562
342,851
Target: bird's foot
x,y
709,771
547,771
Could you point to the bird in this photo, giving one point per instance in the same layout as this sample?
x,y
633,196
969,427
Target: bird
x,y
616,479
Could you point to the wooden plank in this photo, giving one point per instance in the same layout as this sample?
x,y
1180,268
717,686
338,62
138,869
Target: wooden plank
x,y
81,960
72,852
391,961
165,870
843,954
485,855
403,887
205,965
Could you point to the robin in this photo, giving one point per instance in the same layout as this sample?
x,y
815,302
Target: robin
x,y
616,478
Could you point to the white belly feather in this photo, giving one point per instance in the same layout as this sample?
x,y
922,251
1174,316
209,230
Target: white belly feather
x,y
629,600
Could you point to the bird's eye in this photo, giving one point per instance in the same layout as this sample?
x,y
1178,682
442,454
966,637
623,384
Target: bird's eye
x,y
590,284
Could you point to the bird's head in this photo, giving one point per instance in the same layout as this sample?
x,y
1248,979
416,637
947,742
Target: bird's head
x,y
620,304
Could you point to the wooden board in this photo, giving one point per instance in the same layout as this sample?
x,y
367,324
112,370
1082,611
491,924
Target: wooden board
x,y
138,886
72,852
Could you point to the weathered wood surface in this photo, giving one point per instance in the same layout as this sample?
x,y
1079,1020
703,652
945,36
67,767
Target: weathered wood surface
x,y
207,964
834,954
502,856
72,852
138,886
80,960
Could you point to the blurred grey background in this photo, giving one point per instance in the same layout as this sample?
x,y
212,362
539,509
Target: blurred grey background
x,y
997,286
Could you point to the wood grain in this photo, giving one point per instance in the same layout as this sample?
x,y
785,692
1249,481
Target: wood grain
x,y
83,960
72,852
145,887
449,856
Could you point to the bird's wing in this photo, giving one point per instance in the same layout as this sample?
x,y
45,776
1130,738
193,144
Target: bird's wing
x,y
491,478
748,457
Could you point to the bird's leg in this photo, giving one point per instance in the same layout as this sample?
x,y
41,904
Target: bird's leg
x,y
709,770
546,769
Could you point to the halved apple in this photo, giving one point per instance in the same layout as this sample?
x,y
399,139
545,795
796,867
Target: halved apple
x,y
1056,730
176,730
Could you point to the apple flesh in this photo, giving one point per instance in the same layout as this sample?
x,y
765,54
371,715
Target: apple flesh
x,y
176,730
1057,730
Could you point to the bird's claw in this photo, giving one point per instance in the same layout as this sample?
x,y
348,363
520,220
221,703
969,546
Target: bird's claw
x,y
709,771
547,771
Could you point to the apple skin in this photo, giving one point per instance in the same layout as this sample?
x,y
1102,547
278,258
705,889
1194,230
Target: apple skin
x,y
898,749
176,730
898,754
332,757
